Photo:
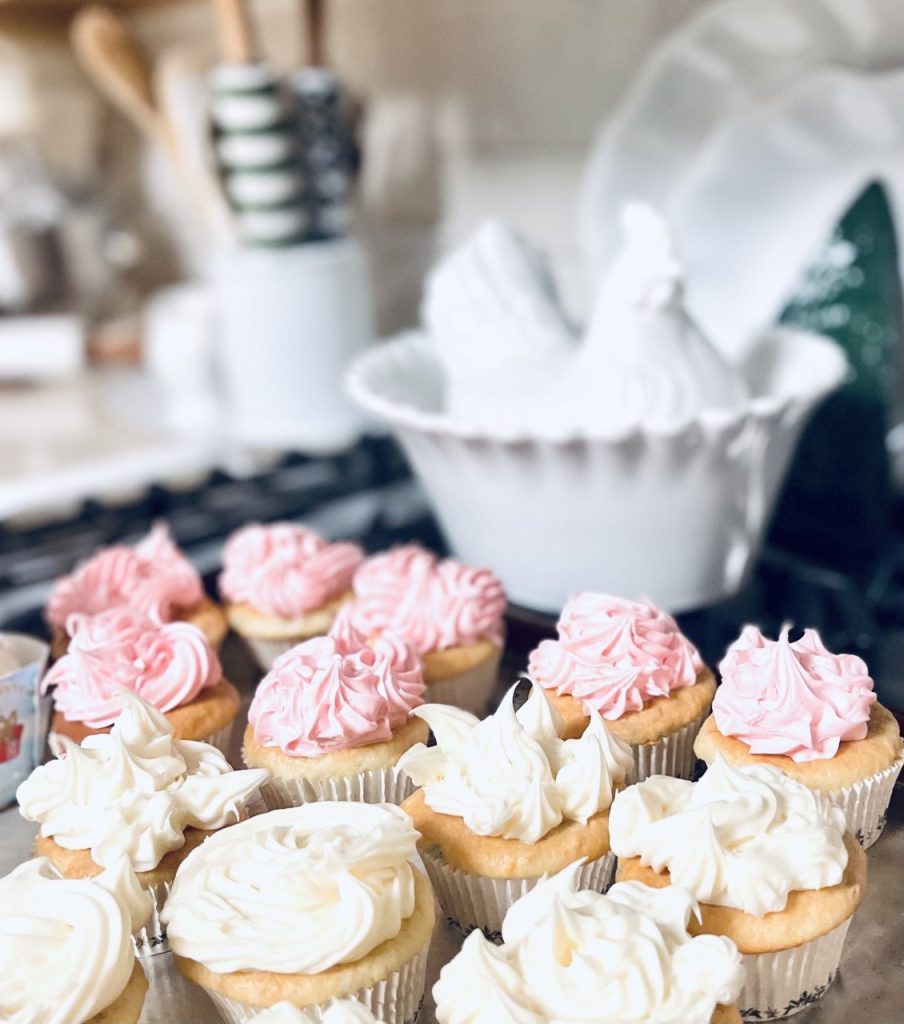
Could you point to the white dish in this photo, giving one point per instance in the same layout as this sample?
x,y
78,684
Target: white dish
x,y
673,516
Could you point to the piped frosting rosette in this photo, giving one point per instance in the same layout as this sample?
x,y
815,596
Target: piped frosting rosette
x,y
451,614
616,657
320,704
169,664
306,904
65,946
761,842
510,778
813,714
154,577
284,583
570,954
134,793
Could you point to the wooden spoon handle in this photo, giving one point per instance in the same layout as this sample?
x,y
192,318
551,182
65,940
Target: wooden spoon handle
x,y
234,30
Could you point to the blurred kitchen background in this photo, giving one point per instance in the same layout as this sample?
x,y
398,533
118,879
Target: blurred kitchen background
x,y
152,276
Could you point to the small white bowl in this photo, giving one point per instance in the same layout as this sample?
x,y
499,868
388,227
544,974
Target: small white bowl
x,y
673,516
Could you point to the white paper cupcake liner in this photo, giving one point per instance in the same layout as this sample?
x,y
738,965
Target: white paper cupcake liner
x,y
395,1000
151,938
470,690
784,983
377,786
865,803
221,739
472,901
672,755
265,652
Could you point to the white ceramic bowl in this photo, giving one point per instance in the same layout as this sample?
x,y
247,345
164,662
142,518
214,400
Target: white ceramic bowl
x,y
671,516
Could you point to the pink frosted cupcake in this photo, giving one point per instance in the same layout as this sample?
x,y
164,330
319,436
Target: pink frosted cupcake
x,y
814,716
332,718
154,577
451,614
628,661
171,665
282,583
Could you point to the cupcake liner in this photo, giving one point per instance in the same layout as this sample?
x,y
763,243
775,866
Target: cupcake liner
x,y
784,983
151,938
472,901
395,1000
865,803
377,786
265,652
672,755
470,690
221,739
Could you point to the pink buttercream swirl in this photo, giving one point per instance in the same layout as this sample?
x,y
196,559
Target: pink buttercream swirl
x,y
286,570
430,604
796,699
168,664
154,577
615,655
336,692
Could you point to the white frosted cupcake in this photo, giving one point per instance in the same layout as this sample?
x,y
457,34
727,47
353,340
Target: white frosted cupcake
x,y
506,801
306,905
769,862
628,661
331,719
282,583
573,955
342,1011
134,793
66,953
812,714
451,614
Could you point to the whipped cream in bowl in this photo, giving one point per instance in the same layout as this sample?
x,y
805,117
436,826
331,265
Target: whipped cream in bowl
x,y
605,444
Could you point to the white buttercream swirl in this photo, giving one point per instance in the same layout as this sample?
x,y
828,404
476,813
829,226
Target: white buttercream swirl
x,y
66,945
295,891
134,791
342,1011
742,837
511,775
572,956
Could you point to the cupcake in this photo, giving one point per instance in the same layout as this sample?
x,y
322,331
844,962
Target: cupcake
x,y
332,718
136,793
450,613
628,661
506,801
306,905
342,1011
66,954
171,665
282,583
153,577
769,862
573,955
814,716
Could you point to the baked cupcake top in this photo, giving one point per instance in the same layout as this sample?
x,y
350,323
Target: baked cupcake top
x,y
336,692
431,604
794,698
739,837
285,569
335,878
153,577
570,955
66,945
342,1011
168,664
132,792
614,655
510,775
